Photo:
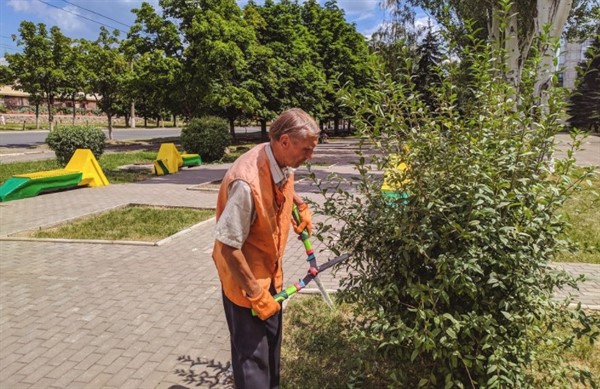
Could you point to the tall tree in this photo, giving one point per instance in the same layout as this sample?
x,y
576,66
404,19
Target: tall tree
x,y
342,51
108,71
40,69
153,48
396,38
297,65
150,83
153,36
76,76
584,103
265,83
525,21
219,42
429,57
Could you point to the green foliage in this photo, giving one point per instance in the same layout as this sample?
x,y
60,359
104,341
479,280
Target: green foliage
x,y
454,282
64,140
108,70
41,69
208,136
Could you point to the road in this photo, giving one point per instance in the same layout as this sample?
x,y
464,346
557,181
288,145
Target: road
x,y
32,138
16,146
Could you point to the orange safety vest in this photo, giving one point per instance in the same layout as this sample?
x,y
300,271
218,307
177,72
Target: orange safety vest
x,y
268,234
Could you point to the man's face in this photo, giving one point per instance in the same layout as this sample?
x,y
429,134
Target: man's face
x,y
296,151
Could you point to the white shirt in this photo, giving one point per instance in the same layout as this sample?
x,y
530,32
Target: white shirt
x,y
234,224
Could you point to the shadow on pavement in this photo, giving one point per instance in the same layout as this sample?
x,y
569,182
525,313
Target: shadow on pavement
x,y
192,176
204,372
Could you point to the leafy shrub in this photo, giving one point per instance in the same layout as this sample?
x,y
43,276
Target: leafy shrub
x,y
64,140
452,280
208,136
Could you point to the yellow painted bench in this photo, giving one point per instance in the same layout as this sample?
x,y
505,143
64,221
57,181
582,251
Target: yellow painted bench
x,y
82,170
169,160
392,188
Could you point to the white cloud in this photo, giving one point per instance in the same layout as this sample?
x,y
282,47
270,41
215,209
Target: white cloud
x,y
66,20
73,19
21,5
424,21
358,7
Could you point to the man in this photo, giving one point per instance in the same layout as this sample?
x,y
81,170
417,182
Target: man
x,y
254,213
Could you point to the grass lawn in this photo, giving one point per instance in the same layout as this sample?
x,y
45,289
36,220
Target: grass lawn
x,y
109,163
583,213
319,352
133,222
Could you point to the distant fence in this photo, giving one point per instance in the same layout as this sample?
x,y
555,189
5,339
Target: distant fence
x,y
61,119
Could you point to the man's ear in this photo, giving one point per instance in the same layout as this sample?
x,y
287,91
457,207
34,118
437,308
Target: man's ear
x,y
285,140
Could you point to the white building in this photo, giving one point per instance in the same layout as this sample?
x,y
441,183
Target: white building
x,y
571,54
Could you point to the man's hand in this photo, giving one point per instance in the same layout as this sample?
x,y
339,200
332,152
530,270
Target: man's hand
x,y
264,304
305,220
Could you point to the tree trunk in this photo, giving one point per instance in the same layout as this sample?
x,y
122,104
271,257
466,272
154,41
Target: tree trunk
x,y
263,129
51,112
174,120
74,109
232,128
551,14
37,116
508,40
132,118
336,126
109,126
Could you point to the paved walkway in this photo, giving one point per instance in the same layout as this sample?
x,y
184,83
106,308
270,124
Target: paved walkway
x,y
98,315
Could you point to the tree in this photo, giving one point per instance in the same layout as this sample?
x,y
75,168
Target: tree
x,y
219,43
108,71
343,55
154,40
522,23
76,75
153,48
584,104
265,83
300,79
396,38
429,57
40,69
151,81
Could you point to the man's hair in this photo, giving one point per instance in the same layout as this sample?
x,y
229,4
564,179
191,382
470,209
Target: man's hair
x,y
296,123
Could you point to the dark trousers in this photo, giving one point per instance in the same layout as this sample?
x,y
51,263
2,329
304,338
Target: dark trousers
x,y
255,347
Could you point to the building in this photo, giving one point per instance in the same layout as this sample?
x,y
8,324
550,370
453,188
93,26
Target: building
x,y
16,101
571,54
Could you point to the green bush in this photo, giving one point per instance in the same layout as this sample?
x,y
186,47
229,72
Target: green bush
x,y
208,136
452,279
64,140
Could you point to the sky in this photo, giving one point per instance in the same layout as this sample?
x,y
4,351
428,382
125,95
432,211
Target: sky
x,y
83,18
